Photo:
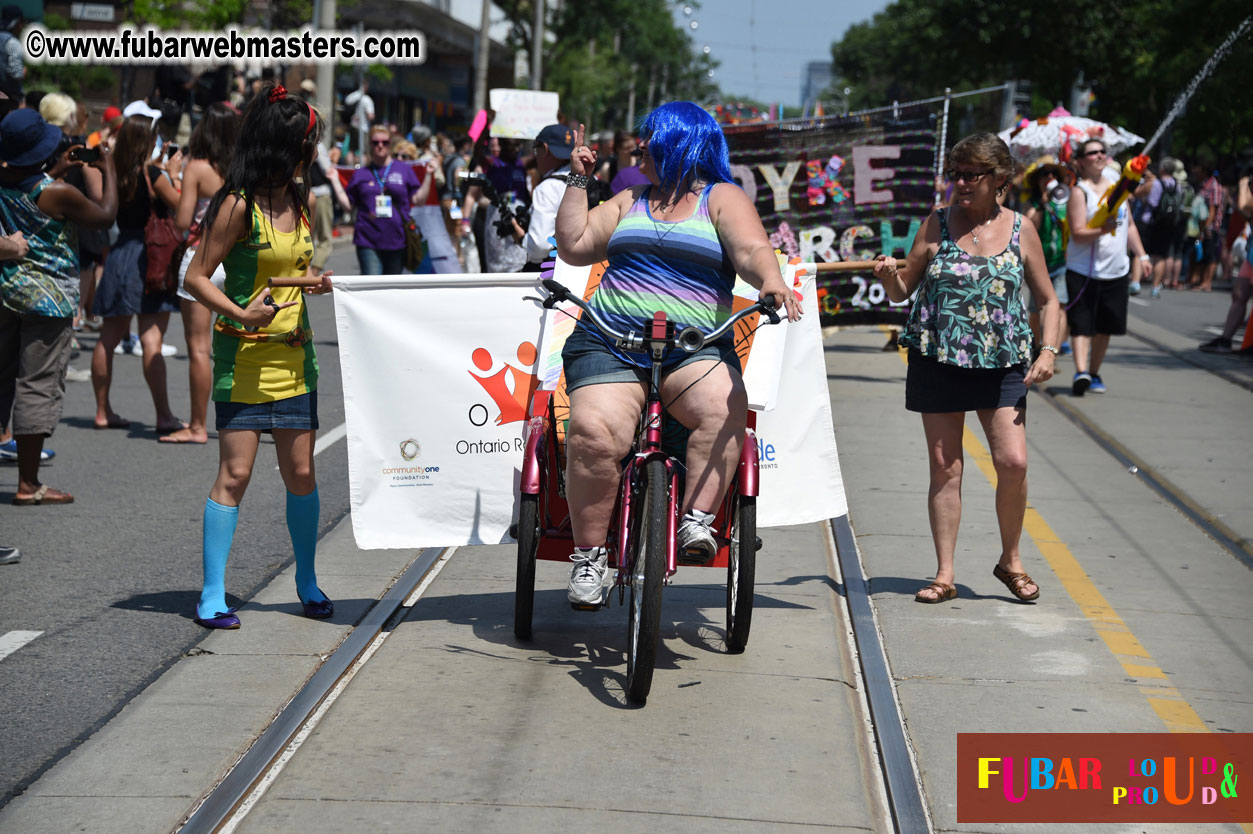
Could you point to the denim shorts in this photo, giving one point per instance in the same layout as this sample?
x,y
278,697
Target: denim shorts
x,y
300,413
588,361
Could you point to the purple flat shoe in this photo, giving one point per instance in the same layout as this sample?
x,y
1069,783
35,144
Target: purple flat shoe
x,y
223,619
319,610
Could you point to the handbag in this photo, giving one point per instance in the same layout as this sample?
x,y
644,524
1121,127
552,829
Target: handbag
x,y
161,240
414,250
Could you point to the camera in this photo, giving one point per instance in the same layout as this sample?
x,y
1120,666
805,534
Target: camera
x,y
504,226
85,154
1058,193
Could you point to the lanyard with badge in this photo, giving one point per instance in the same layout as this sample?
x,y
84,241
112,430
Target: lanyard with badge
x,y
383,202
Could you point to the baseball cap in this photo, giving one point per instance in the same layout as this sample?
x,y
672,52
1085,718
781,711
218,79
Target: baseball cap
x,y
559,139
111,114
140,107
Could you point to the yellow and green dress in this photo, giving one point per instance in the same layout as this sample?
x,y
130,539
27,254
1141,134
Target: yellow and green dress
x,y
277,361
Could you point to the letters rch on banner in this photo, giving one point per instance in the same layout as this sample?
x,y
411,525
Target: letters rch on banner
x,y
840,190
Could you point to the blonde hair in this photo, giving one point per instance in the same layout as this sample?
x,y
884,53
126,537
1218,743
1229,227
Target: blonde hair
x,y
986,149
58,110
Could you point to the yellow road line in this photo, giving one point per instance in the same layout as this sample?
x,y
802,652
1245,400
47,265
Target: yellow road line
x,y
1164,698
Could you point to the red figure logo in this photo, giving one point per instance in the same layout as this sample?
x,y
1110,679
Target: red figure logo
x,y
512,403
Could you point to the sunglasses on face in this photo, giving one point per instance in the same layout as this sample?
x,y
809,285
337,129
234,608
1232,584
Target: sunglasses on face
x,y
379,142
1097,152
970,177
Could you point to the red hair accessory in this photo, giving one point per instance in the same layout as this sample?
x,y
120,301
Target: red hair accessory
x,y
313,119
278,92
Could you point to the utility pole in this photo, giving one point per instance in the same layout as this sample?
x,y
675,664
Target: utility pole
x,y
324,18
480,67
537,45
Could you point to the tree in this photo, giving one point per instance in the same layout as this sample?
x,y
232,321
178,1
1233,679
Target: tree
x,y
1137,54
602,48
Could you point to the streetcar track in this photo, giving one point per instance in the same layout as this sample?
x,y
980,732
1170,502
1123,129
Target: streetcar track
x,y
221,805
1229,539
1186,357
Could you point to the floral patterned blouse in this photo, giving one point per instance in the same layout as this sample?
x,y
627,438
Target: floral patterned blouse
x,y
969,311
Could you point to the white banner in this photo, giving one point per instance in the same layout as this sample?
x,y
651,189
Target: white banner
x,y
521,114
799,465
438,372
437,376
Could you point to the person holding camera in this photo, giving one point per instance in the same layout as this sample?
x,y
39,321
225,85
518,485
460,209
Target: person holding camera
x,y
382,193
143,189
553,147
39,289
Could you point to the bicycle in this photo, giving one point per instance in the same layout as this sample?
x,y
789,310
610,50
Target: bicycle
x,y
641,540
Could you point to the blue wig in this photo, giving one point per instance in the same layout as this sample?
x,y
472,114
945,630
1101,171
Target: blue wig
x,y
686,144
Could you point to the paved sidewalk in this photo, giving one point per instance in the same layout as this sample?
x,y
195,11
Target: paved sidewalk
x,y
1142,624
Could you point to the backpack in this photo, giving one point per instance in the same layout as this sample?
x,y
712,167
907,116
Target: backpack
x,y
1170,208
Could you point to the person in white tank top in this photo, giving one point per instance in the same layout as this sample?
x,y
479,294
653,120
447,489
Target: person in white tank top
x,y
1098,269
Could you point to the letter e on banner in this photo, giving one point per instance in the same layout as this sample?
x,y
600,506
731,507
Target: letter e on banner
x,y
743,175
864,175
780,184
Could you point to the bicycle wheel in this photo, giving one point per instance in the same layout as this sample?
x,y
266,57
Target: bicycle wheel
x,y
648,568
741,568
528,546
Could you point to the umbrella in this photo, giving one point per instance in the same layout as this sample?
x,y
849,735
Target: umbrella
x,y
1059,135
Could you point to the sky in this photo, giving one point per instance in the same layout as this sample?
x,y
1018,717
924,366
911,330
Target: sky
x,y
788,34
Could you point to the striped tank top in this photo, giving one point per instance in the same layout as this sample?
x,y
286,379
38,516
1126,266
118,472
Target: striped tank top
x,y
277,361
679,268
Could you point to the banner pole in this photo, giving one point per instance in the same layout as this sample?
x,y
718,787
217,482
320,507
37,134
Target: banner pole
x,y
943,147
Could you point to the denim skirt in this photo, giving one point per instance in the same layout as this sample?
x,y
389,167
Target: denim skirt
x,y
300,413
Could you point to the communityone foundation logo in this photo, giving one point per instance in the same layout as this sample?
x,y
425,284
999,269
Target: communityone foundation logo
x,y
408,476
1103,777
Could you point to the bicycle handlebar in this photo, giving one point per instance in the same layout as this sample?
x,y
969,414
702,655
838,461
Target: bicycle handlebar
x,y
690,339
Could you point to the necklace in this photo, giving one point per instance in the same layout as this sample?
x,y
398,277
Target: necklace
x,y
974,233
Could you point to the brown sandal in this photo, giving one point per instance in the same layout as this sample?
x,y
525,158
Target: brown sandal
x,y
1016,582
43,495
942,590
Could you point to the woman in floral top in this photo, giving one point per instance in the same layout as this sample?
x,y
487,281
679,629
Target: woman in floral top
x,y
970,348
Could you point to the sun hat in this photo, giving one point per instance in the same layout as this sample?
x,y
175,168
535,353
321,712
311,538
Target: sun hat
x,y
26,139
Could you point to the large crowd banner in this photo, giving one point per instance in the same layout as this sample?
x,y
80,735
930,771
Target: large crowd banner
x,y
840,190
438,374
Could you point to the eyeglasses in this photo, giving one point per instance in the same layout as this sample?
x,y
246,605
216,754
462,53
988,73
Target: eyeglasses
x,y
1097,152
970,177
380,142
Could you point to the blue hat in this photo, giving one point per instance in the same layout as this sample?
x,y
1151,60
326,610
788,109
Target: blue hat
x,y
26,139
559,139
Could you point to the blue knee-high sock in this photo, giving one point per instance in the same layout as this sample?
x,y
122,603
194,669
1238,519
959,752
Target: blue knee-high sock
x,y
302,524
219,531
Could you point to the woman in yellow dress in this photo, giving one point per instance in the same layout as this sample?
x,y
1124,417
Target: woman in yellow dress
x,y
265,371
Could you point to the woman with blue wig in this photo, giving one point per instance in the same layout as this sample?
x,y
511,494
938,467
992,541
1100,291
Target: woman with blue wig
x,y
674,244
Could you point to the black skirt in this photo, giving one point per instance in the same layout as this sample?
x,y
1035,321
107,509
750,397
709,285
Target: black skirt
x,y
932,387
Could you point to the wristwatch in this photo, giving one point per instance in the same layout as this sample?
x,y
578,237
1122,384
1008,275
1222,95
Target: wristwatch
x,y
577,181
1049,348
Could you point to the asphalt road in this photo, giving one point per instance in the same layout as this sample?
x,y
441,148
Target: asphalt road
x,y
111,581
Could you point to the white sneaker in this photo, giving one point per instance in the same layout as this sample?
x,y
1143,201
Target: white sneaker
x,y
75,375
696,537
167,350
587,577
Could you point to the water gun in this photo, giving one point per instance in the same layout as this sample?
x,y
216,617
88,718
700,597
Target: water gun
x,y
1119,191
